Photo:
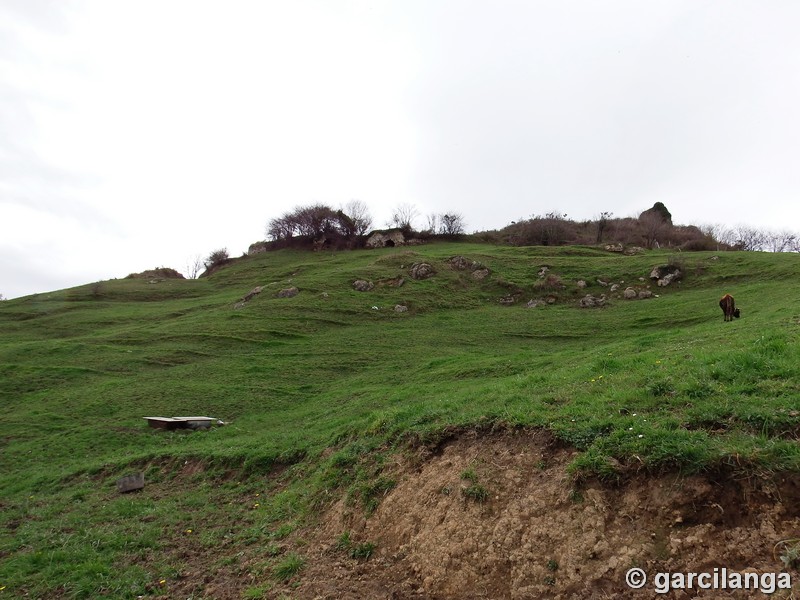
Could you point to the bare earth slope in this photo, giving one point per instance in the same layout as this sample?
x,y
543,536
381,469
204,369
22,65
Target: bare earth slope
x,y
536,535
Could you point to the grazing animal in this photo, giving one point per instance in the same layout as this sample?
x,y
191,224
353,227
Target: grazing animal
x,y
728,307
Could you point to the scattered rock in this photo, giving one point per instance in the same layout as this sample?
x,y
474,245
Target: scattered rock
x,y
634,250
601,282
480,274
361,285
288,292
614,287
422,271
550,299
643,294
251,294
239,305
581,283
461,263
507,300
130,483
534,303
589,301
543,271
714,258
665,274
629,293
399,308
614,247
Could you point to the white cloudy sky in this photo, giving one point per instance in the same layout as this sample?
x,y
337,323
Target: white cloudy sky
x,y
141,133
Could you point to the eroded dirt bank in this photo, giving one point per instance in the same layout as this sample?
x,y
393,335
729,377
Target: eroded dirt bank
x,y
496,516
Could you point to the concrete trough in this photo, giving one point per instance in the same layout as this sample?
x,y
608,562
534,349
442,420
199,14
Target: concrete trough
x,y
180,422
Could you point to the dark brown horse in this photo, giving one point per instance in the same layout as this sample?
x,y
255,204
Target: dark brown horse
x,y
728,307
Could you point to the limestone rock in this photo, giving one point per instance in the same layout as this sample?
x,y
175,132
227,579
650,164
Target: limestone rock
x,y
422,271
581,283
461,263
589,301
399,308
629,293
665,274
634,250
361,285
288,292
643,294
480,274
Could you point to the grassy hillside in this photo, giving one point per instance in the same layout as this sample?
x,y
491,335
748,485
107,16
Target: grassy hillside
x,y
318,390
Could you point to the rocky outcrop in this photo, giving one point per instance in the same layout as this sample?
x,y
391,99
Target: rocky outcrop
x,y
388,238
589,301
288,292
422,271
362,285
159,274
665,274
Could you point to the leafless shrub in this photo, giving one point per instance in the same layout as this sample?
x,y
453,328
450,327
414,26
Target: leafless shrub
x,y
194,267
403,216
451,224
781,241
358,212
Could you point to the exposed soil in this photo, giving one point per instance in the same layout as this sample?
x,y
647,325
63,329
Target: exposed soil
x,y
536,536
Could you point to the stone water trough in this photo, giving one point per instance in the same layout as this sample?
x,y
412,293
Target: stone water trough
x,y
181,422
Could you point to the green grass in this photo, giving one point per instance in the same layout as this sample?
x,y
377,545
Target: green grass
x,y
319,389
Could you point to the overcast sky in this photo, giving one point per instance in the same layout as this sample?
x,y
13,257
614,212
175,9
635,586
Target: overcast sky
x,y
137,134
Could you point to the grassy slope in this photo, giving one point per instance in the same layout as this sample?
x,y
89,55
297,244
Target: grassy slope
x,y
662,383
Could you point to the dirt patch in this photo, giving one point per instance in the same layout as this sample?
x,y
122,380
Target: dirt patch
x,y
496,516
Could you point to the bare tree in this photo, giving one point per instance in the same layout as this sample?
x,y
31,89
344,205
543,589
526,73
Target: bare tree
x,y
781,241
602,224
749,238
358,212
281,228
653,227
433,223
451,224
403,216
194,267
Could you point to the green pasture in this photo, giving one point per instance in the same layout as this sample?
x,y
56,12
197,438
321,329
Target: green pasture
x,y
320,389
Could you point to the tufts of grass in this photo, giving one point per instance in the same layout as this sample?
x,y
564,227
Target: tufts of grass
x,y
475,492
288,568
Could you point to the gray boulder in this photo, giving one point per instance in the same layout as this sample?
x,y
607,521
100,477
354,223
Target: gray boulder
x,y
422,271
361,285
288,292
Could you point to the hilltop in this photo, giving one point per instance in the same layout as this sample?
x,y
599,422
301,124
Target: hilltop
x,y
465,429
